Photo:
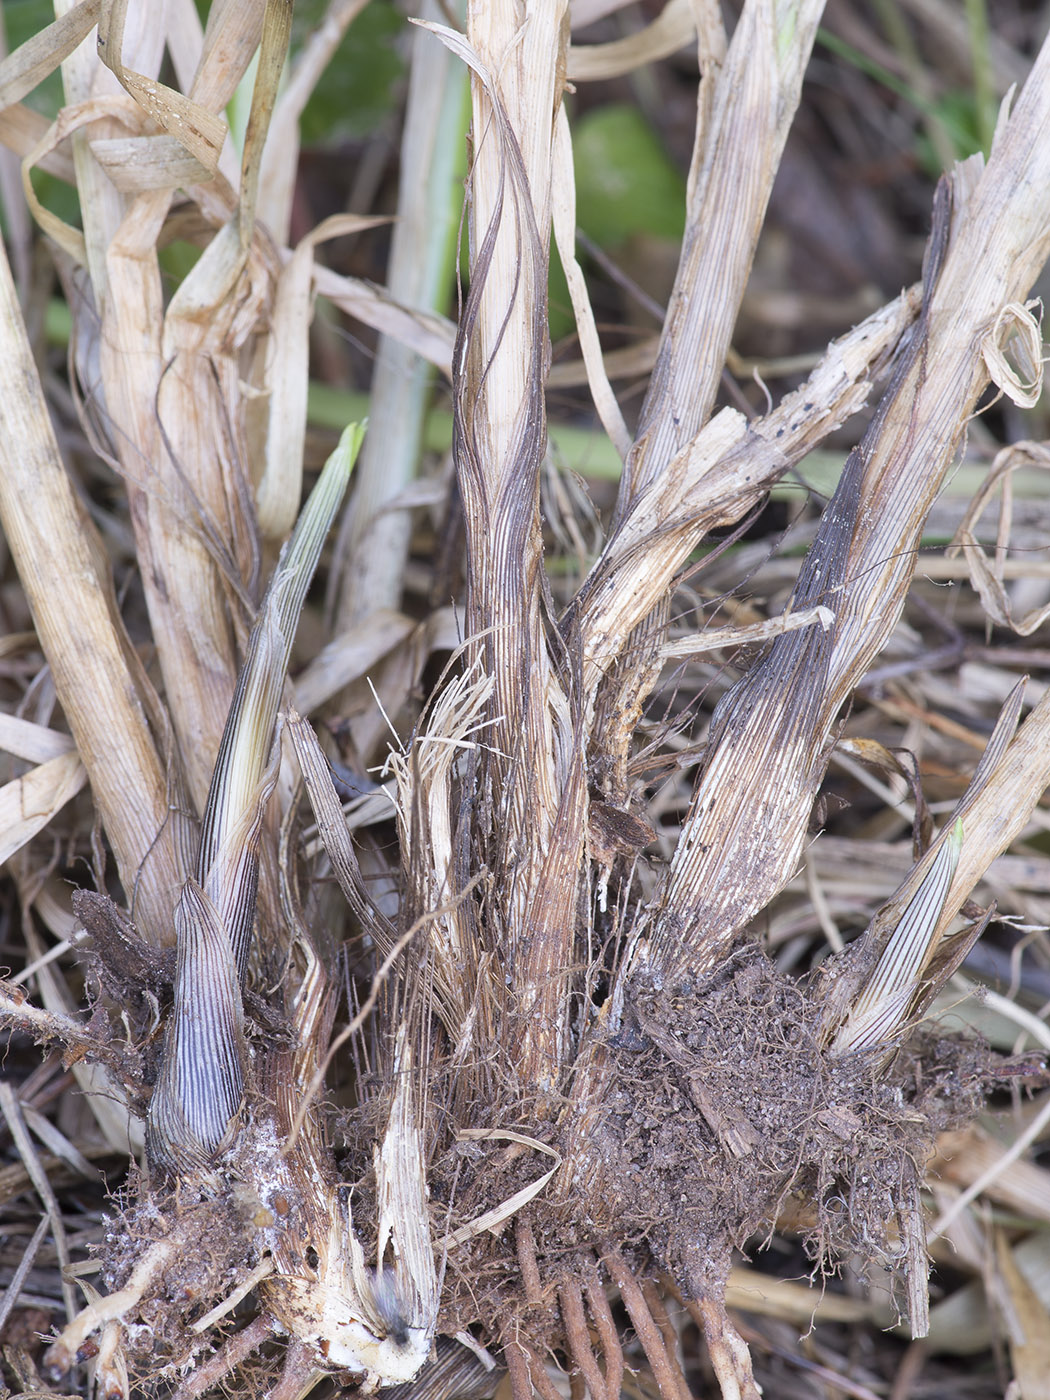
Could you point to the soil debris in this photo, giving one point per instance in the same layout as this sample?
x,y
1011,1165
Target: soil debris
x,y
722,1104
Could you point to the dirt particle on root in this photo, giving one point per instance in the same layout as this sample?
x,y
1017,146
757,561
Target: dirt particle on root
x,y
213,1252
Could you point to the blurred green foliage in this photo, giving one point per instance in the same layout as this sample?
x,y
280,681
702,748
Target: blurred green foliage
x,y
23,19
360,87
626,184
957,111
625,181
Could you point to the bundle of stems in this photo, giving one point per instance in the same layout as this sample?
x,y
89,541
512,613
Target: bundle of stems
x,y
533,1109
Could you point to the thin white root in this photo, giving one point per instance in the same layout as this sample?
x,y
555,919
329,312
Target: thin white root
x,y
62,1353
111,1372
262,1270
730,1357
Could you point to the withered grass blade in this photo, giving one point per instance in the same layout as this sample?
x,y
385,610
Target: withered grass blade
x,y
879,1008
28,803
670,31
744,115
234,796
198,1094
32,61
713,481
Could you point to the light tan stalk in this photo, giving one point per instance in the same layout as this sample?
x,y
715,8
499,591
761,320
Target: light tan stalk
x,y
58,556
746,102
744,116
501,368
174,423
192,507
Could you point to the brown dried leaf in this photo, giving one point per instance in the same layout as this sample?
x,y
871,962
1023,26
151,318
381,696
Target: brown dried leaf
x,y
1027,1324
80,630
769,737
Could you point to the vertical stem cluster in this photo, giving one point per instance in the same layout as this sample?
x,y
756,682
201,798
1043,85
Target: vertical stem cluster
x,y
534,772
770,738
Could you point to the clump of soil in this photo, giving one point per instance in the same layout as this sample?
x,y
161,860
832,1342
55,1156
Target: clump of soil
x,y
722,1105
200,1246
711,1114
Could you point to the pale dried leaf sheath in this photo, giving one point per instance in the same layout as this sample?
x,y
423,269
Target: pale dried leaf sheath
x,y
170,393
499,371
277,495
230,39
84,78
768,754
76,618
195,527
534,769
199,1091
349,656
404,1219
281,372
714,480
201,1083
745,104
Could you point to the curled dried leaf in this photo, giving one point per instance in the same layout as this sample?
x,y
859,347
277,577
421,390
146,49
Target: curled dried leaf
x,y
670,31
1013,353
987,576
